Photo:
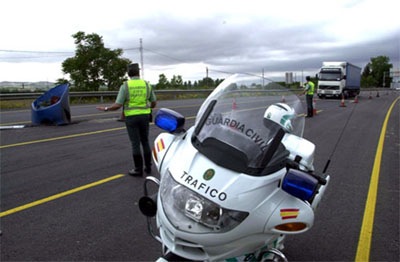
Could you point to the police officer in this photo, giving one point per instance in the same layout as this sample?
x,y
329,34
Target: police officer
x,y
137,98
309,92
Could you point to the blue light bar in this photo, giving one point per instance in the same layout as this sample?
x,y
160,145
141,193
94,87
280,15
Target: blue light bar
x,y
169,120
300,184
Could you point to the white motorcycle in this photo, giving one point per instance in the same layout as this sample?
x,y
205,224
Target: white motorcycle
x,y
237,182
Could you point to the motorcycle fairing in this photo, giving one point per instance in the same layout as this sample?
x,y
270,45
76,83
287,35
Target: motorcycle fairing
x,y
188,169
162,145
261,197
290,210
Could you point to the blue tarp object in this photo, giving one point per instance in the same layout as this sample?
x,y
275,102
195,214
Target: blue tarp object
x,y
52,107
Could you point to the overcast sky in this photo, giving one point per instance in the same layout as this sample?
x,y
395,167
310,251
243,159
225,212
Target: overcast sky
x,y
186,37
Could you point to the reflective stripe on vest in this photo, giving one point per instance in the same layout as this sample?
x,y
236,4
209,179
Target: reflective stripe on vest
x,y
138,93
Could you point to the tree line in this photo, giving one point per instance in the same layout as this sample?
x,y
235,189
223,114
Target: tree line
x,y
176,82
95,66
376,72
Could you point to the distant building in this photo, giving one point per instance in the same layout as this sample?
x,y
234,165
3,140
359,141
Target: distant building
x,y
394,73
289,78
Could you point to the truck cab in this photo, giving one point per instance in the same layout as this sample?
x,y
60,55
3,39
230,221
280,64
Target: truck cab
x,y
337,79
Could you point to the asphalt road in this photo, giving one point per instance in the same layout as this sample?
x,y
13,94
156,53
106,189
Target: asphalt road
x,y
65,195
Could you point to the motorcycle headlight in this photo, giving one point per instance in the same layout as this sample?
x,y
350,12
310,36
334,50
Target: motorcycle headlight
x,y
191,212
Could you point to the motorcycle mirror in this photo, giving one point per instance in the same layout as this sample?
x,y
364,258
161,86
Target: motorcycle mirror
x,y
148,205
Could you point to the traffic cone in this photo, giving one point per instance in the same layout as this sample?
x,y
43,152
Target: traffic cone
x,y
314,107
234,104
342,104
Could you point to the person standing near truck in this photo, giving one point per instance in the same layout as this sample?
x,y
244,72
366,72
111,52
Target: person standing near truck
x,y
309,92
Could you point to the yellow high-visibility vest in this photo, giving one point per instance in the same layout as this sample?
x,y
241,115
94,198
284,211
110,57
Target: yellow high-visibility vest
x,y
310,91
138,93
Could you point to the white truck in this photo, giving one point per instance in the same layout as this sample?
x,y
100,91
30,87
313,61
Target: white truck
x,y
338,78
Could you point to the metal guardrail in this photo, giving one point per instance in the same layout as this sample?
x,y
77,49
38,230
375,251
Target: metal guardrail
x,y
100,94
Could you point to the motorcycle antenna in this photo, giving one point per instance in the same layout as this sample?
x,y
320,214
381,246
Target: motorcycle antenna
x,y
337,142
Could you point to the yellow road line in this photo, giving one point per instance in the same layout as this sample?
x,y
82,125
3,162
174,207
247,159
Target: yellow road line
x,y
364,241
54,197
15,123
62,137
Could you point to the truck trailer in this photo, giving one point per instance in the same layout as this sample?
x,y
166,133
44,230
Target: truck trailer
x,y
337,79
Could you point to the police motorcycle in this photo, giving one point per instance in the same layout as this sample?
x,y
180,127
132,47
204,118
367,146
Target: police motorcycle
x,y
235,184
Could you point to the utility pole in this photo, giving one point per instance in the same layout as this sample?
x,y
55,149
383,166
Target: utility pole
x,y
263,77
383,82
141,57
206,76
384,78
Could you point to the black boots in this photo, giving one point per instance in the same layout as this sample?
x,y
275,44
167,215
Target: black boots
x,y
147,163
138,161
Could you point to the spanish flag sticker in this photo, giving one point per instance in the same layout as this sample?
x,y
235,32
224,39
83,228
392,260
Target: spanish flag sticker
x,y
160,145
289,213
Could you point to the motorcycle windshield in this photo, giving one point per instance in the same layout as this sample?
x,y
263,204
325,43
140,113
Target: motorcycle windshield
x,y
232,128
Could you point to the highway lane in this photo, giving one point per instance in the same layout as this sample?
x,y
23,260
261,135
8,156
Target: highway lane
x,y
339,218
99,223
102,222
